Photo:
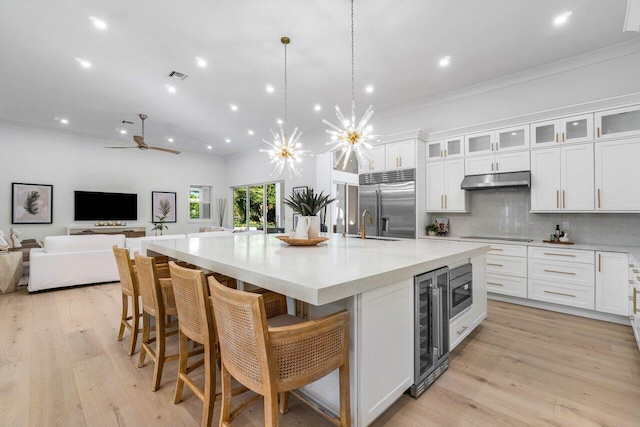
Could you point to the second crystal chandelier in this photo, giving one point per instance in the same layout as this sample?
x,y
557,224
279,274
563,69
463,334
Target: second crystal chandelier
x,y
349,137
285,150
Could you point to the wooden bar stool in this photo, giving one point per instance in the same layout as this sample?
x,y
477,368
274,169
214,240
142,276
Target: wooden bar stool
x,y
158,300
274,360
129,285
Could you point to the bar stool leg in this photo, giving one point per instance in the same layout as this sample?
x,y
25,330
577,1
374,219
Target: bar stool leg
x,y
123,319
225,409
182,366
160,350
209,385
271,409
135,318
145,339
283,404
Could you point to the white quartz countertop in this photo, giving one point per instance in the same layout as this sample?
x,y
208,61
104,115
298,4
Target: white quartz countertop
x,y
633,250
334,270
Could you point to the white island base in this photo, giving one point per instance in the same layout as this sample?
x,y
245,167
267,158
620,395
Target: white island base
x,y
372,279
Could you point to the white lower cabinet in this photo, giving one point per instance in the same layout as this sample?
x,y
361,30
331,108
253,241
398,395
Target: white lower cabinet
x,y
612,283
634,298
506,271
459,328
562,276
464,323
385,325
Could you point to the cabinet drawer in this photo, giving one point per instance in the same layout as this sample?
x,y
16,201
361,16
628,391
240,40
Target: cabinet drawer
x,y
458,329
508,250
509,266
566,273
574,296
505,285
557,254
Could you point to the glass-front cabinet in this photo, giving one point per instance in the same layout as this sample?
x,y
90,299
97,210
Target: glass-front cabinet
x,y
621,122
445,148
562,131
507,139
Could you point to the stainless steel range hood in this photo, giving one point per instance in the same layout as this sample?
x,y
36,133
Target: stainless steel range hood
x,y
497,181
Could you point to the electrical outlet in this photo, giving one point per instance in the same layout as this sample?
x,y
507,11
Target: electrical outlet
x,y
565,225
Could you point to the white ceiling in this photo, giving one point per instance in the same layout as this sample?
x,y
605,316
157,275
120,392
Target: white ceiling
x,y
398,46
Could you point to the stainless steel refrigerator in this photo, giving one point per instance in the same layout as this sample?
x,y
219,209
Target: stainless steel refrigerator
x,y
391,199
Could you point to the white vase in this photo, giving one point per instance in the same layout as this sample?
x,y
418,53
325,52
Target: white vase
x,y
314,226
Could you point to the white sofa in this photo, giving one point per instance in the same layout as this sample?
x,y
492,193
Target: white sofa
x,y
74,260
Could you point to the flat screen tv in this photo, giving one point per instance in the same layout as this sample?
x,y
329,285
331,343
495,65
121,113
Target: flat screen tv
x,y
95,206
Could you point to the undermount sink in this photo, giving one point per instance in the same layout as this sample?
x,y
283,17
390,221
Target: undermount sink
x,y
386,239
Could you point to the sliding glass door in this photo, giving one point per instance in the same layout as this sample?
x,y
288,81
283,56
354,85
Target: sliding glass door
x,y
258,207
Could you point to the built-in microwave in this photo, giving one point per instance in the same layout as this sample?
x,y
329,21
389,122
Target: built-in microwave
x,y
460,289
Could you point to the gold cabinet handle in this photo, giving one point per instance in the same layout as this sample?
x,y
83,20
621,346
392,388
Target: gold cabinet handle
x,y
495,284
599,263
461,331
636,271
562,136
560,272
497,265
445,201
553,254
556,136
598,132
598,197
441,153
445,153
559,293
492,146
441,201
557,199
497,249
491,166
563,200
634,298
400,161
497,166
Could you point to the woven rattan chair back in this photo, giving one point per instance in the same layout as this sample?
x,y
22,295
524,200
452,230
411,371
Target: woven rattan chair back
x,y
149,286
128,280
189,287
241,323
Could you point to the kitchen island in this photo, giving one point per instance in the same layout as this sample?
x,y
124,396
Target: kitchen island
x,y
373,279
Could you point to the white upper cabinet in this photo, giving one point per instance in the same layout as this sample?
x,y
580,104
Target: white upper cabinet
x,y
376,154
506,162
618,123
445,148
514,138
443,186
617,175
562,131
561,179
400,155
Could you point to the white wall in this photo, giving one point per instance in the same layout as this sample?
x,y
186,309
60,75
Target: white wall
x,y
70,163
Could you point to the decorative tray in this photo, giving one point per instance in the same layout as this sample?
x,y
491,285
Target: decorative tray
x,y
302,242
557,242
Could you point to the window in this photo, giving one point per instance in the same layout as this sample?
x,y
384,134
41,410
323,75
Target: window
x,y
258,207
199,202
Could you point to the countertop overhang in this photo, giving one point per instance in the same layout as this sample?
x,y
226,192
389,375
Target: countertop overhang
x,y
334,270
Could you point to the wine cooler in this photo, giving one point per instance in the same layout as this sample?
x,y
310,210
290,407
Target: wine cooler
x,y
431,328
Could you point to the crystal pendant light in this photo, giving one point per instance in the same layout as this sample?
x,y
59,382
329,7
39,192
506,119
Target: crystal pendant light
x,y
285,149
349,137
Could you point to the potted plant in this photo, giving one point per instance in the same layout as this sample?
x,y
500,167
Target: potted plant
x,y
307,203
163,211
432,229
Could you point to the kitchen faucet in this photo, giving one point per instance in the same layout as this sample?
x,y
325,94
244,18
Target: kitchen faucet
x,y
363,235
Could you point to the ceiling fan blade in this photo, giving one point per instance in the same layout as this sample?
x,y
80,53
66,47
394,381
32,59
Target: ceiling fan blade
x,y
121,147
163,149
139,140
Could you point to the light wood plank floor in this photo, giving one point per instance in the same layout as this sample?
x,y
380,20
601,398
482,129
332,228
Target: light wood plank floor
x,y
60,364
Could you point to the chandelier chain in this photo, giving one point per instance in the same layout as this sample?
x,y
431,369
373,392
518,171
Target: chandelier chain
x,y
285,90
353,71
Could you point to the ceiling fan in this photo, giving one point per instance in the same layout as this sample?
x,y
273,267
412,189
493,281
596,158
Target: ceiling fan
x,y
144,146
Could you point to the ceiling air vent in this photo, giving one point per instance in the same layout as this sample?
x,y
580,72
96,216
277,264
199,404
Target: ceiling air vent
x,y
178,75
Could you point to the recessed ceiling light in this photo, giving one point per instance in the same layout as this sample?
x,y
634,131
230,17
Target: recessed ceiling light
x,y
562,19
227,140
234,107
369,89
209,147
445,61
201,62
171,89
64,121
99,23
279,121
270,89
84,62
317,107
122,131
250,132
170,139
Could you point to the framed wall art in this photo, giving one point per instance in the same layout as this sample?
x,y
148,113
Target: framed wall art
x,y
31,203
299,190
163,204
